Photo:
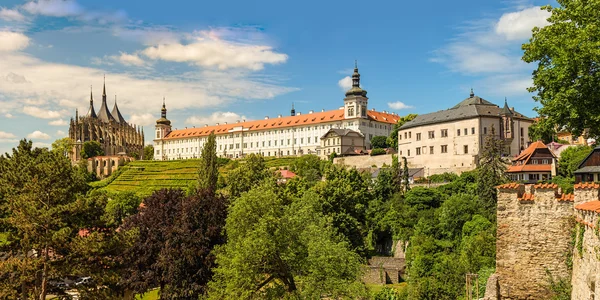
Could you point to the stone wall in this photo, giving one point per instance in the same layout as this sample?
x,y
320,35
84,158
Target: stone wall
x,y
384,270
364,161
586,253
533,238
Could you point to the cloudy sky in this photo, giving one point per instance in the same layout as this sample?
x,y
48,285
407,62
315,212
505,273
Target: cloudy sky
x,y
217,61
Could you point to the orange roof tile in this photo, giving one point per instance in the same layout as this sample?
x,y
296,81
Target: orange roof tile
x,y
286,173
527,197
511,186
524,157
589,206
566,197
545,186
527,152
288,121
586,185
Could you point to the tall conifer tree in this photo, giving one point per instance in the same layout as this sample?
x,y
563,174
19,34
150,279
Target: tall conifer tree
x,y
208,171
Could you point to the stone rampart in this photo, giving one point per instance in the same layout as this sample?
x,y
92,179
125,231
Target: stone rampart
x,y
384,270
533,238
586,253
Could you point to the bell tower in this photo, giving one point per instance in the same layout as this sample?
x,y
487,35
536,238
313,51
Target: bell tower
x,y
355,103
162,128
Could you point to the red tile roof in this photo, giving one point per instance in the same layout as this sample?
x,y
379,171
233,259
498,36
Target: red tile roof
x,y
545,186
527,197
511,186
566,197
287,121
286,173
589,206
580,221
586,185
524,157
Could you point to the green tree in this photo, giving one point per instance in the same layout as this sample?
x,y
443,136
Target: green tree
x,y
571,158
208,169
120,206
38,192
393,138
175,238
478,244
91,149
490,172
379,141
283,248
542,130
63,146
567,76
250,173
405,175
149,152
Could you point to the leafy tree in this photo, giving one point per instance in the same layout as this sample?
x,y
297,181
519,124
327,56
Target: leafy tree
x,y
283,248
63,146
249,174
121,206
175,238
208,170
91,149
345,196
571,158
38,192
454,213
310,167
478,244
567,76
542,130
379,141
405,175
393,138
490,172
377,151
149,152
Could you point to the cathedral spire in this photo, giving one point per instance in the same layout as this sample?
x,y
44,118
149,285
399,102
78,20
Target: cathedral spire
x,y
91,112
116,114
471,95
104,88
104,114
356,90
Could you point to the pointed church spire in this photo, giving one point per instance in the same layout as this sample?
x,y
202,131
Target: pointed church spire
x,y
91,112
116,114
355,76
104,88
104,114
505,110
356,90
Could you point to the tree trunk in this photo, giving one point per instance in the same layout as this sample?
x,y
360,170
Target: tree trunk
x,y
45,275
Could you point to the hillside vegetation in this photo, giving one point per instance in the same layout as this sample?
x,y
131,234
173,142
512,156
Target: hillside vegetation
x,y
145,176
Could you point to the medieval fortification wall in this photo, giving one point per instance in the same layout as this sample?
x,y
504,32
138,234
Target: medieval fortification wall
x,y
541,233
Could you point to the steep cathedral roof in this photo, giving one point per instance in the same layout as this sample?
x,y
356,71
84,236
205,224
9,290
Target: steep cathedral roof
x,y
91,112
117,114
104,114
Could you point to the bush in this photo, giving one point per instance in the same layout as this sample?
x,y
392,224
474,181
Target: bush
x,y
377,151
444,177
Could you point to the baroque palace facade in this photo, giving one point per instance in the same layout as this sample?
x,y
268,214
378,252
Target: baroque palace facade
x,y
115,135
296,134
451,140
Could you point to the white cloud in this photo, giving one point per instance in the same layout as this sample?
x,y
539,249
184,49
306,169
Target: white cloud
x,y
41,113
6,135
345,83
143,119
149,36
518,25
11,15
69,103
54,8
8,116
12,41
398,105
129,59
60,133
38,135
214,118
209,50
59,122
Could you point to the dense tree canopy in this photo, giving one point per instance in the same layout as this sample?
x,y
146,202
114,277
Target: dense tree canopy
x,y
148,152
63,146
91,149
571,158
567,76
278,248
208,170
379,141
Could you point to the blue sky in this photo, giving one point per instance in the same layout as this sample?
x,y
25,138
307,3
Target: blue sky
x,y
217,61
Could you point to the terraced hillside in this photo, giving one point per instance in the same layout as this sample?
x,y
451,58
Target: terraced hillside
x,y
144,177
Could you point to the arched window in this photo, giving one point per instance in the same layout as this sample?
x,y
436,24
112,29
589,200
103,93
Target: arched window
x,y
351,111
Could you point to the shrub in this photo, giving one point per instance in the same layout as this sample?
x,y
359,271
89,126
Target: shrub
x,y
377,151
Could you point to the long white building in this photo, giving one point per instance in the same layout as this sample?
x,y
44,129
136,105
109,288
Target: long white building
x,y
296,134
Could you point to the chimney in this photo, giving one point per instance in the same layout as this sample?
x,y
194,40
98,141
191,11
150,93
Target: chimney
x,y
237,122
311,111
279,116
217,124
244,121
341,107
323,110
225,123
205,125
298,113
266,117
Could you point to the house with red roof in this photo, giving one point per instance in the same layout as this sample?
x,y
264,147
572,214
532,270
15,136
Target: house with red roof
x,y
285,175
533,164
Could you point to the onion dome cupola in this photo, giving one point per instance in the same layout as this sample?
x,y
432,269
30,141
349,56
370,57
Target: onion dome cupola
x,y
356,90
117,114
163,116
91,112
104,114
356,101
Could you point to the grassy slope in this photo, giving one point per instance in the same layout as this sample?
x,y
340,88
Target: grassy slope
x,y
143,177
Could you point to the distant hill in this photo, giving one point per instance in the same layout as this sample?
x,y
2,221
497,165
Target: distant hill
x,y
145,176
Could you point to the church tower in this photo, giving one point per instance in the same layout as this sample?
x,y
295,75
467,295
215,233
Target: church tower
x,y
163,125
355,103
507,127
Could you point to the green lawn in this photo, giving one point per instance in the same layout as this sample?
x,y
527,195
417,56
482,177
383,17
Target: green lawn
x,y
376,288
151,295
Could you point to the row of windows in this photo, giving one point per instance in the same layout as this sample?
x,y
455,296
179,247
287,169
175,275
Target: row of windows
x,y
443,149
443,133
